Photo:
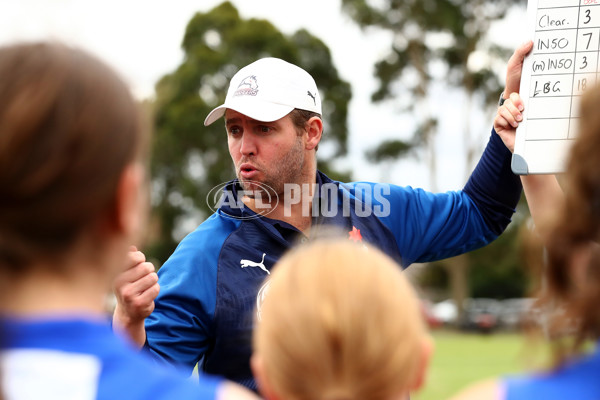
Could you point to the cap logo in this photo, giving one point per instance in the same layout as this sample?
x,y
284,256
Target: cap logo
x,y
247,87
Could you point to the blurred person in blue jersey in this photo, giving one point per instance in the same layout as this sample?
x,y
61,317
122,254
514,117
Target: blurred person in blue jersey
x,y
568,227
272,118
72,200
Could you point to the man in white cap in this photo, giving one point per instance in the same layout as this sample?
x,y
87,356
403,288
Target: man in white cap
x,y
213,283
273,121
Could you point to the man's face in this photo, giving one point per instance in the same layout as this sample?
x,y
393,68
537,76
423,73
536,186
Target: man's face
x,y
270,153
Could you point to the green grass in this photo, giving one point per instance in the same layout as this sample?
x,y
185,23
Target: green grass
x,y
460,359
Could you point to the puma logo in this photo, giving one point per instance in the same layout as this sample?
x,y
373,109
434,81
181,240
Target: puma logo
x,y
248,263
312,96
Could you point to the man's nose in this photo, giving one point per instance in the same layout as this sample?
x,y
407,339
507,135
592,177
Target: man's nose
x,y
248,145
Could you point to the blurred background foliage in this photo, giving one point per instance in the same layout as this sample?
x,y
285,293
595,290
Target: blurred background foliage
x,y
432,35
189,159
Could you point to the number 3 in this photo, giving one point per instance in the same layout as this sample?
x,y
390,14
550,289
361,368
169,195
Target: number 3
x,y
587,15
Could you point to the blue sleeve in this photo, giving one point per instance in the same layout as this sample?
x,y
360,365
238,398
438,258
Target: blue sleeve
x,y
493,187
430,226
179,330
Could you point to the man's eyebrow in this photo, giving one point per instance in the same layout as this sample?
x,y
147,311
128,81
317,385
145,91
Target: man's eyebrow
x,y
234,120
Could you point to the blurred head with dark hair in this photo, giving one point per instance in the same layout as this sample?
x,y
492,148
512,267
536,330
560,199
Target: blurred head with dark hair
x,y
70,166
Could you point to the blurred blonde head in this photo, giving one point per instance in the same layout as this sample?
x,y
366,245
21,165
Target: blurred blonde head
x,y
339,321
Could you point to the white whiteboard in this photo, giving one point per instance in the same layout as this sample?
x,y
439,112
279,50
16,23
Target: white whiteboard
x,y
562,64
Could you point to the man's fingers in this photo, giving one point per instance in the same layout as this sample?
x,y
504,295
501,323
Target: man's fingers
x,y
501,122
514,67
516,100
134,273
512,109
519,55
137,286
509,114
524,49
505,113
149,294
132,270
142,284
135,258
142,304
141,270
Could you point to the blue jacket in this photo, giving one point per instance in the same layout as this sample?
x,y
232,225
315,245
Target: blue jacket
x,y
204,312
62,357
577,379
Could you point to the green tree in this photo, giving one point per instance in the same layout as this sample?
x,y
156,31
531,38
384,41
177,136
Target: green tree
x,y
426,34
189,159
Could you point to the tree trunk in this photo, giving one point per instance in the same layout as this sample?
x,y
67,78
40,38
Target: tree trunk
x,y
458,269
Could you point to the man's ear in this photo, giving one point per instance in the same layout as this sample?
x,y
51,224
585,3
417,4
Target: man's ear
x,y
426,353
314,127
258,370
130,206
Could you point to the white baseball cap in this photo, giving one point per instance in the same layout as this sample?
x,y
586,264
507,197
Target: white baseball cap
x,y
267,90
